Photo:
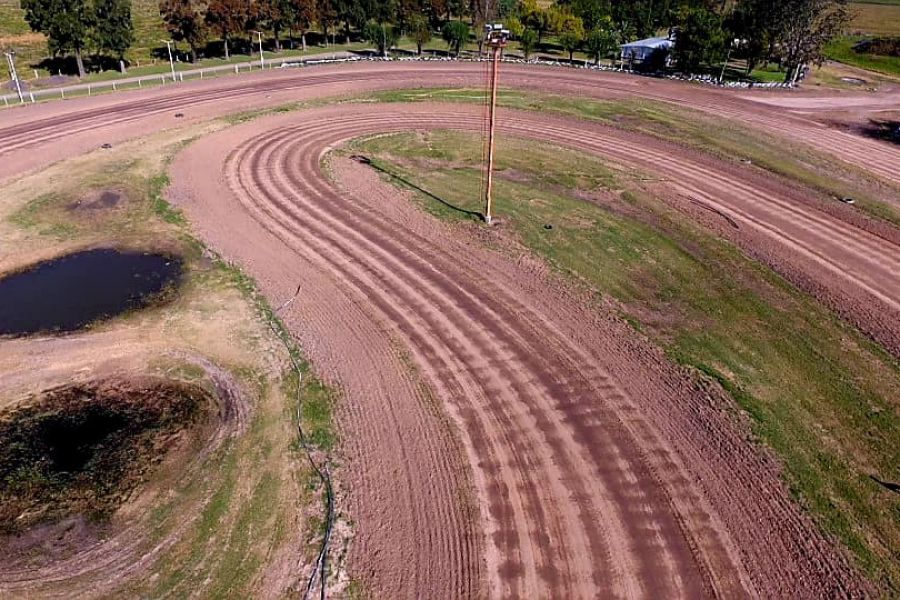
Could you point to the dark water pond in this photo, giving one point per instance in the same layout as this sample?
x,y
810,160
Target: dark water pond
x,y
73,291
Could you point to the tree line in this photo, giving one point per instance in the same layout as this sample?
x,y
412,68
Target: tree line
x,y
790,32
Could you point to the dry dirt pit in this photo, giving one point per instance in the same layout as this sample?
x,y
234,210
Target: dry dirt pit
x,y
83,448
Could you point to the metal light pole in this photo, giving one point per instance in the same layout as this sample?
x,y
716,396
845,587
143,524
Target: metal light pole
x,y
262,63
725,64
496,37
168,44
11,65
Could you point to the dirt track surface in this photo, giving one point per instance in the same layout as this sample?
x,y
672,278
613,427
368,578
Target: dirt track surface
x,y
576,461
600,469
30,135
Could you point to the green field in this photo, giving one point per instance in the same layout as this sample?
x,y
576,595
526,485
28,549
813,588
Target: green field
x,y
878,17
822,396
841,50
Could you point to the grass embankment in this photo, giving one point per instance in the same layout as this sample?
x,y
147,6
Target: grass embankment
x,y
697,130
842,50
241,509
822,396
871,18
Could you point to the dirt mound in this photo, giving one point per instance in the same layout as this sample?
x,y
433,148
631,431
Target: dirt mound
x,y
82,449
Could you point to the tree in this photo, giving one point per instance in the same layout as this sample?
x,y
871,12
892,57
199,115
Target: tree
x,y
184,22
66,23
329,18
455,33
113,32
515,26
806,27
419,31
227,18
755,24
383,35
303,15
571,34
700,39
528,42
600,42
275,16
536,18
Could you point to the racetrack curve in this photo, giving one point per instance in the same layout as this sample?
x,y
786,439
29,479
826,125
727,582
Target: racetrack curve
x,y
29,135
601,470
576,461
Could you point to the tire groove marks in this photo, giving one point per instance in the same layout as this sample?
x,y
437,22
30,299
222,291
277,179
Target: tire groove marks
x,y
596,477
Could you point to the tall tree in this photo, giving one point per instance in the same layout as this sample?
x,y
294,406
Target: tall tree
x,y
700,39
383,35
756,24
806,27
419,31
303,15
456,34
601,41
536,18
227,18
273,15
114,31
571,34
329,18
528,42
184,22
66,23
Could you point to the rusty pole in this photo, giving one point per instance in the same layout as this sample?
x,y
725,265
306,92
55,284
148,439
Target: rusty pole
x,y
495,69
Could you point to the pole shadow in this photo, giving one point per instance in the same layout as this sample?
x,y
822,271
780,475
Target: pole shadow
x,y
888,485
365,160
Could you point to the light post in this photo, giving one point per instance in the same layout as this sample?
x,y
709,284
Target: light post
x,y
168,44
11,65
727,58
496,38
262,63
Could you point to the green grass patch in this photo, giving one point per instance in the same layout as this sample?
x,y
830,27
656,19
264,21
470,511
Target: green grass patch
x,y
696,130
842,50
822,396
160,205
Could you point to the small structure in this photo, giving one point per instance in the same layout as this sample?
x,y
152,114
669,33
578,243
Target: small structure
x,y
649,54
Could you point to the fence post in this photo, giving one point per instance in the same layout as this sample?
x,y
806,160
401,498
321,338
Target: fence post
x,y
62,93
32,96
89,89
114,86
139,83
201,73
181,75
235,69
5,101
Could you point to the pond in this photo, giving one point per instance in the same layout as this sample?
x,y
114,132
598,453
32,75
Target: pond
x,y
73,291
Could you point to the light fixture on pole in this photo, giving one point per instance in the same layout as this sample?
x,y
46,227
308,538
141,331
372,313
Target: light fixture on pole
x,y
262,63
168,44
496,38
11,65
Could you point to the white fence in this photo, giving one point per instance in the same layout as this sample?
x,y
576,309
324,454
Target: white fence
x,y
89,89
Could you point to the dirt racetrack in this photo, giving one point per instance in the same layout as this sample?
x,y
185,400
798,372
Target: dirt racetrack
x,y
502,439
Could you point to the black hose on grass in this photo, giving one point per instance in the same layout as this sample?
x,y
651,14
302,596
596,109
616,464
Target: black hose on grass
x,y
321,470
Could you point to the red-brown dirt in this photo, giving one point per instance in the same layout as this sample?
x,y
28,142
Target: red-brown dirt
x,y
573,460
600,469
